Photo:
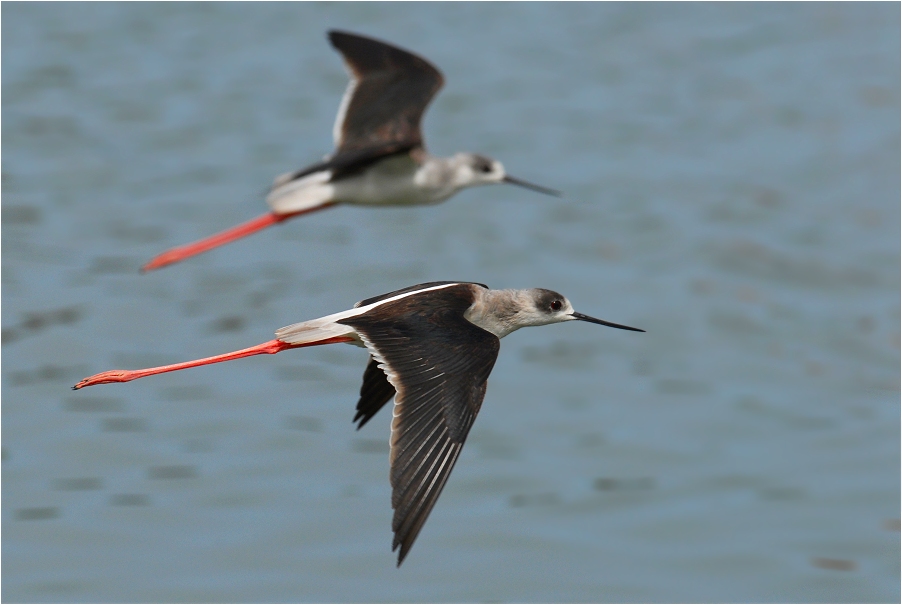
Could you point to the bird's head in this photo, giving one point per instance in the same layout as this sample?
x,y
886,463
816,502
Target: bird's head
x,y
504,311
549,307
471,169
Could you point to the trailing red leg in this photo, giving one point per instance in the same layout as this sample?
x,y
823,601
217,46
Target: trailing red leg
x,y
268,348
180,253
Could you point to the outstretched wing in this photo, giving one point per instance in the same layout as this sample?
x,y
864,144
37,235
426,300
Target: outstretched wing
x,y
438,362
389,91
375,392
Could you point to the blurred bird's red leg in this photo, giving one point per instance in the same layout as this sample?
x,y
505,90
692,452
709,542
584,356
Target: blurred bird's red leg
x,y
267,348
180,253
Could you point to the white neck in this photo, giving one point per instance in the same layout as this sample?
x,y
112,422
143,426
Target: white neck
x,y
438,176
501,311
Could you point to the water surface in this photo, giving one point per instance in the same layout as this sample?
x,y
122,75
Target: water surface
x,y
732,180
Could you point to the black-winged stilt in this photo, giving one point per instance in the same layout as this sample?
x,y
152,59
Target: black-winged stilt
x,y
380,158
432,347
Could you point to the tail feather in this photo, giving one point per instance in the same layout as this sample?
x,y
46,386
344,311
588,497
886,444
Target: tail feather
x,y
301,195
315,330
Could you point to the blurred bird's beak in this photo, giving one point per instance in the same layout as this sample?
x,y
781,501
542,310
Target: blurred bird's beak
x,y
527,185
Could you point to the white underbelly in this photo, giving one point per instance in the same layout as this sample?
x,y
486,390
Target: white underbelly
x,y
395,181
391,182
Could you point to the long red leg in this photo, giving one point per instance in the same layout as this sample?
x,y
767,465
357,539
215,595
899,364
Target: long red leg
x,y
180,253
269,348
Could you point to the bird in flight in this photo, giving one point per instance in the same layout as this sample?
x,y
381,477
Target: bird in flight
x,y
432,347
380,158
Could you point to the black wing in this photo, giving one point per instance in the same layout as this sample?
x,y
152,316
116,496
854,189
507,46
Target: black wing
x,y
429,284
344,164
388,94
375,392
439,364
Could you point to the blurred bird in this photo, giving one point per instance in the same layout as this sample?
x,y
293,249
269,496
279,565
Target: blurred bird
x,y
380,158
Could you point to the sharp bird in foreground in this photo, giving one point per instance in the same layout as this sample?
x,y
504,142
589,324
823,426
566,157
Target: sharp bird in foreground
x,y
432,348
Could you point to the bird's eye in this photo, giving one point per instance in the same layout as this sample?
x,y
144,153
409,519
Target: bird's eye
x,y
485,168
556,305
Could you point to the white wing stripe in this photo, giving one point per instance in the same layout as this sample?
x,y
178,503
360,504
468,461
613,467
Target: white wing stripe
x,y
343,109
325,327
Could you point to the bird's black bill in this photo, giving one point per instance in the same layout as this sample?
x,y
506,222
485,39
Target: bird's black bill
x,y
602,322
539,188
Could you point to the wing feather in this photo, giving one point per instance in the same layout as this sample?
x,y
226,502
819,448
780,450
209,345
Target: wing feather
x,y
375,392
438,363
385,101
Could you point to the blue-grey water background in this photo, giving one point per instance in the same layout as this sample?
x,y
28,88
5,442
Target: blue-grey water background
x,y
732,179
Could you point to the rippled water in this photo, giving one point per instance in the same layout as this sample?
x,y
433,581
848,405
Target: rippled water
x,y
732,179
